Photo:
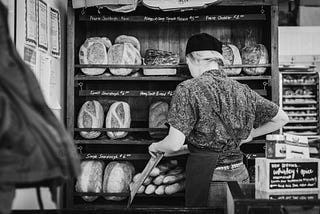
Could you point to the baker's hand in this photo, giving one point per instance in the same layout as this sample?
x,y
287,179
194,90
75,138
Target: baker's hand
x,y
249,138
153,149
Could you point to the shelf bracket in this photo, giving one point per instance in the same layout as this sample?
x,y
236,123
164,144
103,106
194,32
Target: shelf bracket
x,y
262,10
80,84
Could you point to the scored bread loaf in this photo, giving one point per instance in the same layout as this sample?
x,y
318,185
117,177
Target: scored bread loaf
x,y
128,39
231,56
118,116
90,179
158,113
117,178
123,54
91,115
94,51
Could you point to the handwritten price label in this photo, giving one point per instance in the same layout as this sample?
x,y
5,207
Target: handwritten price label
x,y
102,156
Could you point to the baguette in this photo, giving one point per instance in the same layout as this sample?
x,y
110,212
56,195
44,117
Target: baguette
x,y
174,188
170,179
175,171
141,189
150,189
155,172
160,190
147,181
158,180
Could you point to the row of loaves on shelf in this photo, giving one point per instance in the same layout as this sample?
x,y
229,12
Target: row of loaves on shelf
x,y
303,79
299,91
126,50
91,115
96,177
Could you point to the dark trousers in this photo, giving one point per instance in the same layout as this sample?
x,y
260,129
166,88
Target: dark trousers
x,y
7,193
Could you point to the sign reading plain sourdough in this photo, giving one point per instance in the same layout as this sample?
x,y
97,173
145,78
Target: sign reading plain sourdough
x,y
282,175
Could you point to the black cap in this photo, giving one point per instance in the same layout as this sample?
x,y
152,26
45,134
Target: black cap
x,y
203,42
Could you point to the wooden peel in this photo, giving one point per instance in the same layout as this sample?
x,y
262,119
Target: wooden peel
x,y
145,173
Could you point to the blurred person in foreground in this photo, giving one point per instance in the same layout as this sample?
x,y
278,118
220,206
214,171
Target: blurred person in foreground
x,y
35,148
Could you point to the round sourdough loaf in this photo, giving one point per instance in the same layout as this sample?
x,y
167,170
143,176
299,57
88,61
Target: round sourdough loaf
x,y
128,39
91,115
117,178
90,179
123,54
254,55
118,116
94,51
158,113
231,56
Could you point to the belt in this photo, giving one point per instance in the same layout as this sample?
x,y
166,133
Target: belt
x,y
230,166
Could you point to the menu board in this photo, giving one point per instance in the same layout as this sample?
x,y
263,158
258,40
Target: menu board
x,y
293,175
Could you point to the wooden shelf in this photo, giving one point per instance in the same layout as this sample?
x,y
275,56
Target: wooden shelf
x,y
114,156
121,129
116,142
129,78
161,19
158,78
160,66
178,194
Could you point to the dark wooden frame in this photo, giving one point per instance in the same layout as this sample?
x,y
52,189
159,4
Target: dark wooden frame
x,y
73,78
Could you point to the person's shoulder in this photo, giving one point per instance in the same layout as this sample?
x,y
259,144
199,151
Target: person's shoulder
x,y
189,83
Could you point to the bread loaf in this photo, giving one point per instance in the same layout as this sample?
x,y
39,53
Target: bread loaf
x,y
231,56
158,113
255,55
174,188
160,57
90,179
117,178
91,115
128,39
94,51
123,54
118,116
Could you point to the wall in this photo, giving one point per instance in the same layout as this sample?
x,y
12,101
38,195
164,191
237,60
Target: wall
x,y
26,198
299,45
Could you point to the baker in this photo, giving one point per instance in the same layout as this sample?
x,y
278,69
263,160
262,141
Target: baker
x,y
210,116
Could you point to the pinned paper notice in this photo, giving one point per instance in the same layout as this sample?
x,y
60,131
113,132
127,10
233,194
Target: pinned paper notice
x,y
296,146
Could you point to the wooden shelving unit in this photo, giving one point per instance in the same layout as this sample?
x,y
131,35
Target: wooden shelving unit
x,y
228,21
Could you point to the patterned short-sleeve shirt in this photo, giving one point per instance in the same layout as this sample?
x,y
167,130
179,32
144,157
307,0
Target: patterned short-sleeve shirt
x,y
215,112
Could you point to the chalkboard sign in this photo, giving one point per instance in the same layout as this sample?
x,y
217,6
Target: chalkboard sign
x,y
204,18
293,175
114,156
118,93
